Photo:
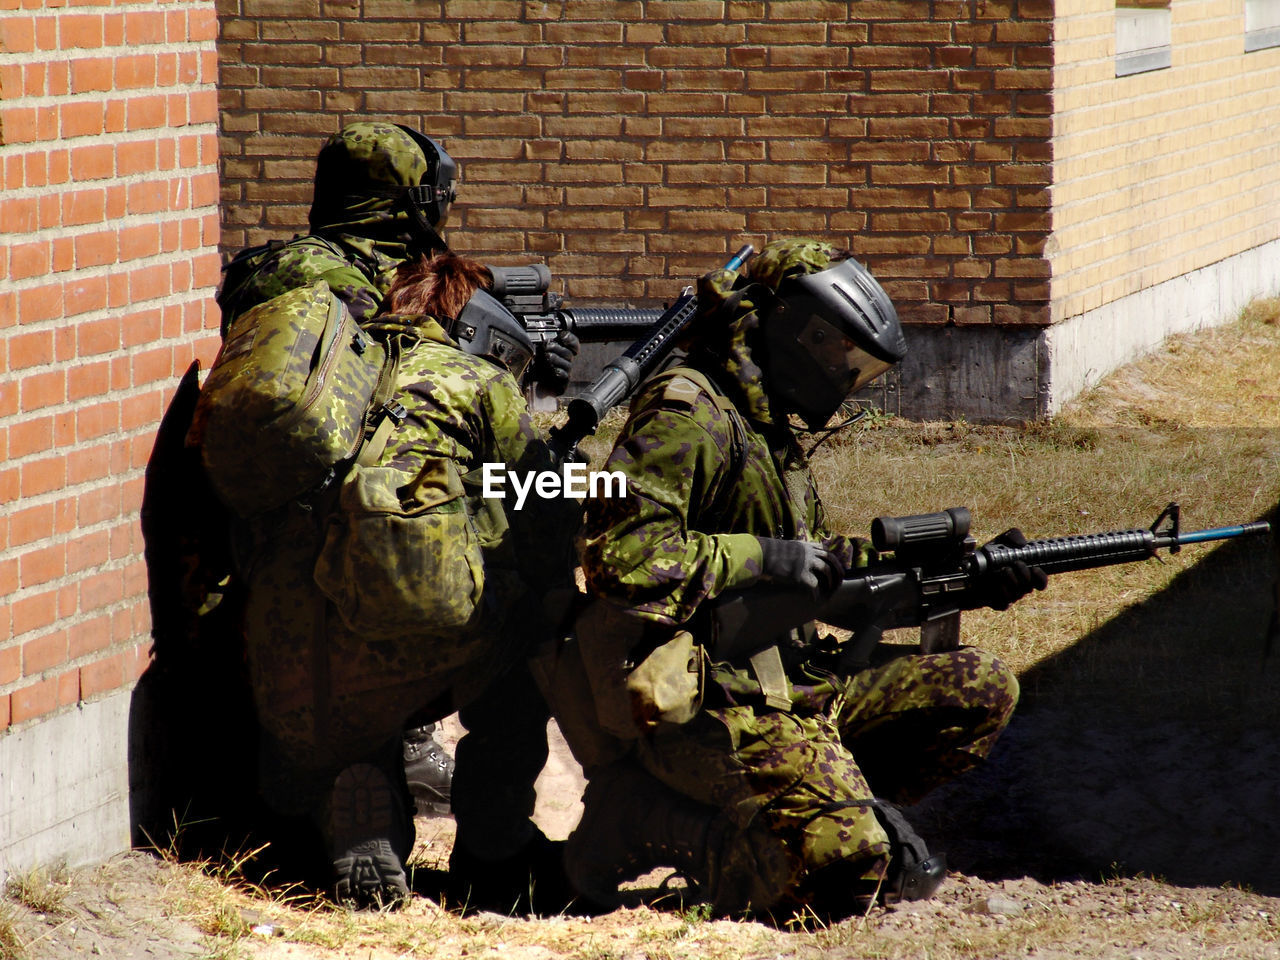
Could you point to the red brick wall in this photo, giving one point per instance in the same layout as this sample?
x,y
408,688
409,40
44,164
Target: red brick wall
x,y
108,160
632,143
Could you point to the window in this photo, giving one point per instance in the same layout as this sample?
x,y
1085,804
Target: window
x,y
1261,24
1143,36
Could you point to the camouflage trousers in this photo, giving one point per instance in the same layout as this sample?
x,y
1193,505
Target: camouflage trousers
x,y
327,696
793,786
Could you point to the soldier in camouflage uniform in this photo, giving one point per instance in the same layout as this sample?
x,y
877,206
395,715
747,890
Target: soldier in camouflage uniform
x,y
333,696
774,793
382,194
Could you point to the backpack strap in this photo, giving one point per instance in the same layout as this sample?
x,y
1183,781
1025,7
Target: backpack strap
x,y
385,412
684,384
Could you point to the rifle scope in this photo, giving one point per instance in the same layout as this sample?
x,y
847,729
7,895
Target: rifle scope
x,y
895,534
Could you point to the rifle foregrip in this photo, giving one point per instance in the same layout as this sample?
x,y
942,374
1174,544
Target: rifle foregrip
x,y
611,321
1061,554
647,352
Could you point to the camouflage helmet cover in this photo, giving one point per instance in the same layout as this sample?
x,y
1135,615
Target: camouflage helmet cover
x,y
371,170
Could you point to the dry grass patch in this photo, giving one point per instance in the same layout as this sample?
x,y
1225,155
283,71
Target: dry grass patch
x,y
41,889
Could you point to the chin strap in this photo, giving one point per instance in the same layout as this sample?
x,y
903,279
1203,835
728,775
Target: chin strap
x,y
829,432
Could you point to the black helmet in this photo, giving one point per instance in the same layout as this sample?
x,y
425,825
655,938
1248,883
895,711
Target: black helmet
x,y
432,197
372,166
829,333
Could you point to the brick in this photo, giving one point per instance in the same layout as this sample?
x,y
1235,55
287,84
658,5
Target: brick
x,y
33,701
30,436
10,664
43,389
44,653
88,637
103,676
34,612
80,31
31,524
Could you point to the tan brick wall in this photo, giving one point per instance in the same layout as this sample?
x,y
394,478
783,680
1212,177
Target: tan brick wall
x,y
1161,173
633,143
108,160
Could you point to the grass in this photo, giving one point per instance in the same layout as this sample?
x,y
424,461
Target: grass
x,y
1195,423
12,943
41,889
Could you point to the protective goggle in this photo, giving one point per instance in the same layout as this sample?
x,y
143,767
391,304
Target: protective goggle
x,y
846,365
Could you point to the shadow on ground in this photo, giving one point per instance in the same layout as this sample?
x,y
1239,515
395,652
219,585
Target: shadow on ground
x,y
1151,746
193,737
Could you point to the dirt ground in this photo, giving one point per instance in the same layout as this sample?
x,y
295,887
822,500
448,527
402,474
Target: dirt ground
x,y
141,906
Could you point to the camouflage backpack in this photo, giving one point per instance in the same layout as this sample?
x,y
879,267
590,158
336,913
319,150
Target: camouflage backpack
x,y
297,409
286,404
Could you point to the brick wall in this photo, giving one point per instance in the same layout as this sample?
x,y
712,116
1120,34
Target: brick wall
x,y
108,159
1162,173
633,143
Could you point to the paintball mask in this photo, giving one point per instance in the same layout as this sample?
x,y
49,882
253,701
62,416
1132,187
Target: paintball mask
x,y
485,328
828,334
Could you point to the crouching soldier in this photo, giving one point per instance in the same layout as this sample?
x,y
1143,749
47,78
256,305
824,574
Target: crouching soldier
x,y
755,770
383,194
393,593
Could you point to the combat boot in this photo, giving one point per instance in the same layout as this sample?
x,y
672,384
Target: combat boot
x,y
370,838
429,771
914,874
849,887
633,823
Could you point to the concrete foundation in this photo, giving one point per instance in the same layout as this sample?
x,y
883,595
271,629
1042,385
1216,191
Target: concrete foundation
x,y
1080,351
64,787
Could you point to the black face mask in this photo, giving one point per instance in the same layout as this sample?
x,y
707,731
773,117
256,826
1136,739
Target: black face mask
x,y
485,328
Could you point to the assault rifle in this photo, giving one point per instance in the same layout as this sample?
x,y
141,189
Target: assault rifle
x,y
935,572
524,291
621,377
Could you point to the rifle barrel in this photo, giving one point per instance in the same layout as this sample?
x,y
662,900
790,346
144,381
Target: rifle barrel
x,y
1063,554
1225,533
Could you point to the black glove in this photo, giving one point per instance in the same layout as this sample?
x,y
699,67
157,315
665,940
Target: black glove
x,y
999,589
554,360
801,563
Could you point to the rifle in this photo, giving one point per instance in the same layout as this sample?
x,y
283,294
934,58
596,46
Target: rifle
x,y
934,574
523,291
621,377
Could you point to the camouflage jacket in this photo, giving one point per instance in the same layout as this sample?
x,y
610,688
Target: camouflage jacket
x,y
702,485
302,654
707,475
471,411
